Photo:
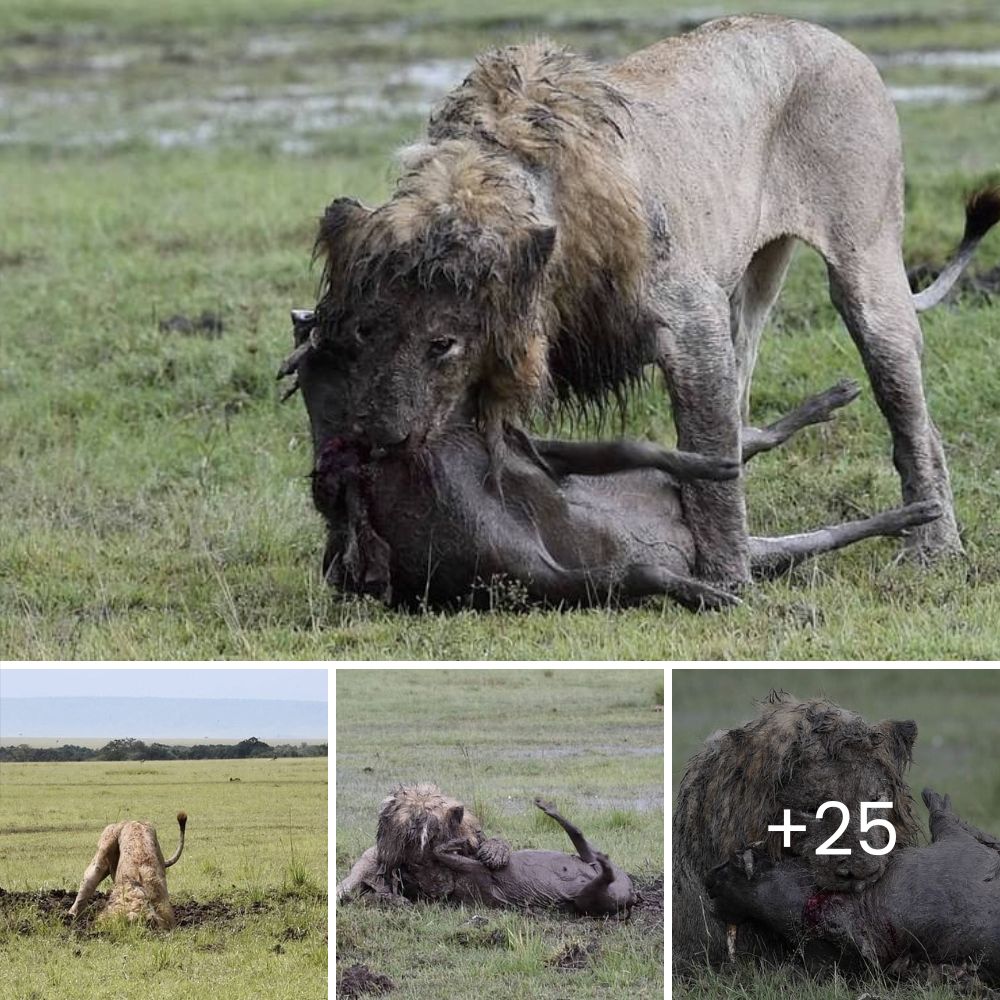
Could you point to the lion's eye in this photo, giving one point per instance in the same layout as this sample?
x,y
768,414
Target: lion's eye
x,y
440,346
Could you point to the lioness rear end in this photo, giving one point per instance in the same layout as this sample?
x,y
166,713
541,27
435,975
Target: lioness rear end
x,y
130,853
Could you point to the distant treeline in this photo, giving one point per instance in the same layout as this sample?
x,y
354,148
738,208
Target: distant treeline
x,y
138,751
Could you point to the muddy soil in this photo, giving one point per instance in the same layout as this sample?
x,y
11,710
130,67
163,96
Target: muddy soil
x,y
56,903
359,980
648,912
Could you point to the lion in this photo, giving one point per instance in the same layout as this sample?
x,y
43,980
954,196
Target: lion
x,y
564,226
130,853
413,821
796,755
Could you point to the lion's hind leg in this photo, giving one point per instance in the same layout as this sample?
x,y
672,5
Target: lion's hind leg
x,y
873,297
750,305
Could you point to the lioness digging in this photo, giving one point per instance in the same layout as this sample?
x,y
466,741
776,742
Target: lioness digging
x,y
130,853
565,225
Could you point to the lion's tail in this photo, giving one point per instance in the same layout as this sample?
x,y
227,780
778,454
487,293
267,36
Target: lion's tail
x,y
982,212
182,819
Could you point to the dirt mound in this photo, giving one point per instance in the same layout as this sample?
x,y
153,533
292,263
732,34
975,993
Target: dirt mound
x,y
45,901
648,910
56,902
215,911
358,980
574,955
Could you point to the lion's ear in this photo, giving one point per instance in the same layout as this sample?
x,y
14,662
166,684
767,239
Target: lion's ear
x,y
342,215
902,736
455,815
532,252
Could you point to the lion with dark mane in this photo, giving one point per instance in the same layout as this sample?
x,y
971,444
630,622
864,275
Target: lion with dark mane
x,y
413,821
565,225
795,755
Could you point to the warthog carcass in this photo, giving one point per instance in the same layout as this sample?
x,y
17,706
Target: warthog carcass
x,y
939,903
795,755
565,225
587,882
130,853
572,523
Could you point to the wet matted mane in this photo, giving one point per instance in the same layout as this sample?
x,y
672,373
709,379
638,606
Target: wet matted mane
x,y
461,213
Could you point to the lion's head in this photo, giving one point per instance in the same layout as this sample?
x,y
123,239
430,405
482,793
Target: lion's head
x,y
797,755
507,263
414,819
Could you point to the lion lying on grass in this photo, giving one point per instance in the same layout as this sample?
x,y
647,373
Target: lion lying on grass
x,y
130,853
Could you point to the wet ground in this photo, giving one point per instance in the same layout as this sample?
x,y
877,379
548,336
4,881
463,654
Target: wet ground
x,y
48,903
295,89
583,944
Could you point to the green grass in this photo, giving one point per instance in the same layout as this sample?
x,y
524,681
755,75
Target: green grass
x,y
154,491
957,748
253,873
591,741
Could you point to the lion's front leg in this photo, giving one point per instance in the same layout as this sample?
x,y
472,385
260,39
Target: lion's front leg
x,y
104,863
95,874
363,874
697,358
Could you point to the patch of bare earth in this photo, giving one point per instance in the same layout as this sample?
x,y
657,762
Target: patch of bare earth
x,y
358,980
56,903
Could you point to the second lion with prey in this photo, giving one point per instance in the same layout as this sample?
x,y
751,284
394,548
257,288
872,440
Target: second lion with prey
x,y
428,847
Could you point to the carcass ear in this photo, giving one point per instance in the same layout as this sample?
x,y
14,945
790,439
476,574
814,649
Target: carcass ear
x,y
342,215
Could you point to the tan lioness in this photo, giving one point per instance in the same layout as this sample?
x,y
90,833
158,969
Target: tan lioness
x,y
130,853
565,225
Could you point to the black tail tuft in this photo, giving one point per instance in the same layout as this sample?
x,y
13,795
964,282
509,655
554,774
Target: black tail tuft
x,y
982,213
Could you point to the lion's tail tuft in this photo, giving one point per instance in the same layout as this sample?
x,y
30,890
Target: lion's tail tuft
x,y
982,213
182,823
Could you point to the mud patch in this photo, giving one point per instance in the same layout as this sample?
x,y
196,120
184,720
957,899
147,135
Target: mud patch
x,y
359,980
648,910
46,902
56,903
208,325
215,911
574,956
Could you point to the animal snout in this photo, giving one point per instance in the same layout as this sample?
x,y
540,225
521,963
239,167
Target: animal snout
x,y
860,872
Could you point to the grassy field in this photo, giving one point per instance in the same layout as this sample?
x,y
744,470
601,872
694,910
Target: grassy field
x,y
591,741
164,161
957,749
249,891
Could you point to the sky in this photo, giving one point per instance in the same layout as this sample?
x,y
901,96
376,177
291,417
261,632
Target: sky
x,y
270,684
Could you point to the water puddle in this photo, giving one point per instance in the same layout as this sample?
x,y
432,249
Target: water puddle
x,y
938,93
282,90
943,58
